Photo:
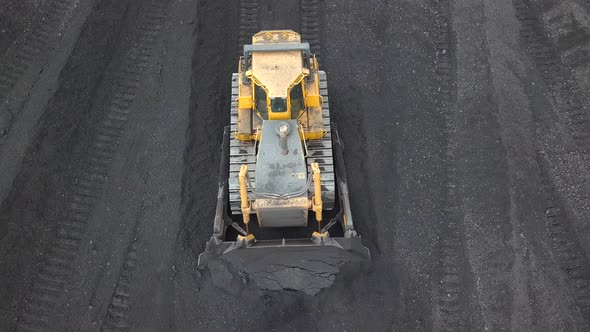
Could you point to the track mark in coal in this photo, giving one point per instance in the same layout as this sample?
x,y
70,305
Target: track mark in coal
x,y
214,61
572,106
35,45
117,313
249,22
564,243
48,287
450,291
310,25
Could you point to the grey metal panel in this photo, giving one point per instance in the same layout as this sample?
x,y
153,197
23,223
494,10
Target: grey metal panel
x,y
278,47
248,49
279,173
282,217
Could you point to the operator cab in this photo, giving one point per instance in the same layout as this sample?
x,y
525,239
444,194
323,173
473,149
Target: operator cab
x,y
277,64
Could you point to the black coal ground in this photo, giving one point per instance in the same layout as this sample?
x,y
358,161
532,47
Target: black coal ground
x,y
474,209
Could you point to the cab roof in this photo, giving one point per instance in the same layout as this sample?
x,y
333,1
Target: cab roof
x,y
277,60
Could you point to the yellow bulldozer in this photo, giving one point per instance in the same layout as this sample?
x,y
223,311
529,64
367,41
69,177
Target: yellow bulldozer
x,y
281,159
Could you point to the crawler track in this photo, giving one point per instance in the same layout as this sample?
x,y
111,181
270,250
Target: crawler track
x,y
562,239
573,110
58,264
567,97
249,22
450,291
310,25
117,313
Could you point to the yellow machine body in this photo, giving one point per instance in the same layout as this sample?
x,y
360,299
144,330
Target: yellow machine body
x,y
278,83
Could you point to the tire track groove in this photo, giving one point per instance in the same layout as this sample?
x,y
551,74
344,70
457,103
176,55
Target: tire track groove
x,y
36,44
447,306
562,240
310,26
117,312
57,265
572,104
249,22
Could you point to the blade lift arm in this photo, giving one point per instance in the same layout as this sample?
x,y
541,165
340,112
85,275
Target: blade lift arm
x,y
316,201
246,204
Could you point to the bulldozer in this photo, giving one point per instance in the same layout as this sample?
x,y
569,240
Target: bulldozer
x,y
282,179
